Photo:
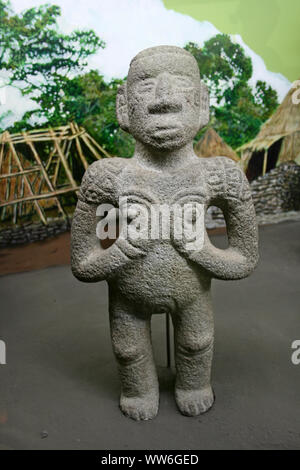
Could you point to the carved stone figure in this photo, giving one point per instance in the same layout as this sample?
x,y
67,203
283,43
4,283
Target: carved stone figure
x,y
163,105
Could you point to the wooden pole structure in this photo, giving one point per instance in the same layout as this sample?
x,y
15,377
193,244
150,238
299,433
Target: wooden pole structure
x,y
28,184
52,152
18,173
98,146
63,160
1,151
8,184
45,174
78,146
265,162
87,143
22,195
36,197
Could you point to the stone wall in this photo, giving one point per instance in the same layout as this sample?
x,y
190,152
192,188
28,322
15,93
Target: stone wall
x,y
275,194
32,232
278,190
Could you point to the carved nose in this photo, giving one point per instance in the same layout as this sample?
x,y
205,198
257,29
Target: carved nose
x,y
163,87
165,99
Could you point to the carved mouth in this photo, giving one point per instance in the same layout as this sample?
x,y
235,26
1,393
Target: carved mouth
x,y
166,127
165,131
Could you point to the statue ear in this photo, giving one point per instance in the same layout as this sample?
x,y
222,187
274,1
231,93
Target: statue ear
x,y
121,107
204,105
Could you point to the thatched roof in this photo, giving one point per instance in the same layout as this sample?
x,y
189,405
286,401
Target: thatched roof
x,y
283,124
212,145
39,167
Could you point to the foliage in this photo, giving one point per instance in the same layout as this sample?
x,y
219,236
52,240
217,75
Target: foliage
x,y
91,102
39,59
237,111
266,98
48,66
221,61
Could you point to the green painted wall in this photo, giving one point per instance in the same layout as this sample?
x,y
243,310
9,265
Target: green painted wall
x,y
270,27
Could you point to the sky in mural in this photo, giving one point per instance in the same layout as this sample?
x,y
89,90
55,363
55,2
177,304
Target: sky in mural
x,y
269,27
128,26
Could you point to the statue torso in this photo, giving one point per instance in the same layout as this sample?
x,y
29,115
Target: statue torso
x,y
163,273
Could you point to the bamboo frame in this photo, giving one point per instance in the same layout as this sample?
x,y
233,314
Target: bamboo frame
x,y
30,182
265,162
84,162
45,174
39,196
18,173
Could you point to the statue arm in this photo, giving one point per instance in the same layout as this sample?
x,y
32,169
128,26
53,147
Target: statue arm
x,y
241,257
90,262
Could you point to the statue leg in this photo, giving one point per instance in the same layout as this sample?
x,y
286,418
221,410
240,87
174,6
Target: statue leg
x,y
194,334
131,340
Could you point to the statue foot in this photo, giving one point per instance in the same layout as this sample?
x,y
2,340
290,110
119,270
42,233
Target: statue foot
x,y
194,402
140,408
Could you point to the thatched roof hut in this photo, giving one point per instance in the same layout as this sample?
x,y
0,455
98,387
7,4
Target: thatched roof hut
x,y
277,142
40,167
212,145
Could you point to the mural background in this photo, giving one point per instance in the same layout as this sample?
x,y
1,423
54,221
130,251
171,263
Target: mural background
x,y
61,65
269,27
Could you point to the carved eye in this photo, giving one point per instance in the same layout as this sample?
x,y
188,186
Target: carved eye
x,y
146,86
183,82
91,195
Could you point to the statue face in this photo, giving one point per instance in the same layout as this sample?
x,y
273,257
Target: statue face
x,y
163,99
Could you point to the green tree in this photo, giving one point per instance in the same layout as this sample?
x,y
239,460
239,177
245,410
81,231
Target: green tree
x,y
266,99
237,111
91,102
221,62
39,59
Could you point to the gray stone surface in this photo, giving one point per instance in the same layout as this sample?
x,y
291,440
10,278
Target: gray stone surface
x,y
276,197
163,105
61,374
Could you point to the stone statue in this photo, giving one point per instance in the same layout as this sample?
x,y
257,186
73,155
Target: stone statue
x,y
163,105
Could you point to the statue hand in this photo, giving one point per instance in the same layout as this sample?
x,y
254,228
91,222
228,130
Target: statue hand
x,y
189,233
134,231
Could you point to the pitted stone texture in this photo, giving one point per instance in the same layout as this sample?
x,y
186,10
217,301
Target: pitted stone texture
x,y
276,197
163,105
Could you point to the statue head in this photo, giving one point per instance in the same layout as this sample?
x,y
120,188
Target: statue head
x,y
163,104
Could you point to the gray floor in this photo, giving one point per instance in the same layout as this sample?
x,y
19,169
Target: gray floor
x,y
61,376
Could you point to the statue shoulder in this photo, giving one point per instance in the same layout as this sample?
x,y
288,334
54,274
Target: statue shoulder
x,y
226,179
101,180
